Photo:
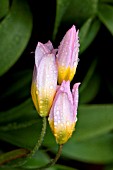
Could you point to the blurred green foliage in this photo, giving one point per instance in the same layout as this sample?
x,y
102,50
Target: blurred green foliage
x,y
20,125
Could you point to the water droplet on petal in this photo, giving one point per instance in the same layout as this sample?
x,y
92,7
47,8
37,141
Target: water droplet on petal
x,y
58,121
61,88
47,75
55,123
74,63
57,112
78,60
41,101
51,87
68,122
55,134
76,119
55,117
63,64
73,90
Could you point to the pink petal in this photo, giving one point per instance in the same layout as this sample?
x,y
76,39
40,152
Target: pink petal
x,y
61,90
65,87
41,50
74,61
66,47
47,73
62,110
49,45
75,98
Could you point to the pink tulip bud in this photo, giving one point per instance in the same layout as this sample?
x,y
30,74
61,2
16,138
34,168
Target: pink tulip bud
x,y
63,114
67,57
44,81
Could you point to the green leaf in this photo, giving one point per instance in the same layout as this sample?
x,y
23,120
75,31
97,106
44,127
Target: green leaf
x,y
88,32
88,76
24,110
93,120
95,150
108,167
15,31
79,11
105,14
62,167
106,1
15,89
61,6
9,168
91,90
38,160
4,7
90,85
24,137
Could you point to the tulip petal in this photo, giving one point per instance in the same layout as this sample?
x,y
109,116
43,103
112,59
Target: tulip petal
x,y
34,89
46,83
61,118
67,57
66,47
75,98
41,50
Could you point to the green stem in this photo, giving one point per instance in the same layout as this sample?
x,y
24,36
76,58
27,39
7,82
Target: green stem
x,y
12,155
38,144
51,163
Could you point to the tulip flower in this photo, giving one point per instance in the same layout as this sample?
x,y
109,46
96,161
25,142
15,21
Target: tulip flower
x,y
67,57
44,81
63,114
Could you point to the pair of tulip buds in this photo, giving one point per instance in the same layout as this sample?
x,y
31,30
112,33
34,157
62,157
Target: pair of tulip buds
x,y
50,99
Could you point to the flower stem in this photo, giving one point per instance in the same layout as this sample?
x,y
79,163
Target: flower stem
x,y
38,144
51,163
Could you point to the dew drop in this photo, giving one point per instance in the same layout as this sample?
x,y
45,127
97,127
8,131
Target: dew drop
x,y
55,117
75,63
57,112
51,87
41,101
61,88
58,121
62,124
63,64
68,123
47,75
66,53
55,123
55,71
76,119
78,60
73,90
55,134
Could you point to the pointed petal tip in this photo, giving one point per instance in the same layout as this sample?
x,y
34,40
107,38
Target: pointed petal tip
x,y
73,29
75,87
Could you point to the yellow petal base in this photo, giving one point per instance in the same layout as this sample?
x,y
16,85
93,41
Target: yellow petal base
x,y
42,101
62,132
65,73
